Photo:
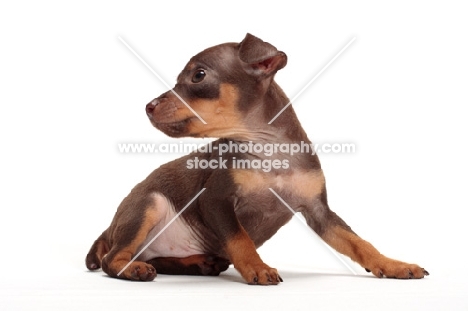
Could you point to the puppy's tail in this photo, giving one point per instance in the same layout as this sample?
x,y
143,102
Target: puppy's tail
x,y
99,249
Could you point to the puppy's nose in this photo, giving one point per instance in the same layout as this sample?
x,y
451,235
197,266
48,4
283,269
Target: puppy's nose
x,y
150,107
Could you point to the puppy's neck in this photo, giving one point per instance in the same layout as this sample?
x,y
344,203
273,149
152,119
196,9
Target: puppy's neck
x,y
284,129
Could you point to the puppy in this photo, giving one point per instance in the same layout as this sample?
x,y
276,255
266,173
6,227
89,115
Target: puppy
x,y
202,212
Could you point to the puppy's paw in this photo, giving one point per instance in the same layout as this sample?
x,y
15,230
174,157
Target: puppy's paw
x,y
213,265
395,269
260,274
140,271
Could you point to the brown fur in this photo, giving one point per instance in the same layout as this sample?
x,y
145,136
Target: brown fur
x,y
201,264
231,87
242,252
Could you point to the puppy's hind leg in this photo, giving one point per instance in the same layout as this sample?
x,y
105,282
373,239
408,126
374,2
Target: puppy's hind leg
x,y
202,264
99,249
134,220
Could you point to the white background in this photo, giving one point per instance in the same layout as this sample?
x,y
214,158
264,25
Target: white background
x,y
71,91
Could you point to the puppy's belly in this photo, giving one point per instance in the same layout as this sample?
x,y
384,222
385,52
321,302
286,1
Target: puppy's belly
x,y
173,240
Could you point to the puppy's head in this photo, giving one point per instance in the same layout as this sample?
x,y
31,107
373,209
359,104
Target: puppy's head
x,y
217,91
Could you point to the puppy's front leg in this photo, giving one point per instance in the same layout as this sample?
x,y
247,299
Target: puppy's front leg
x,y
217,206
333,230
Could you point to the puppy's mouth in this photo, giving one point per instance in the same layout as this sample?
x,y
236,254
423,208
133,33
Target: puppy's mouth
x,y
163,116
173,129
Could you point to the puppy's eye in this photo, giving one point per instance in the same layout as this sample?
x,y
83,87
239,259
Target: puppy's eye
x,y
199,76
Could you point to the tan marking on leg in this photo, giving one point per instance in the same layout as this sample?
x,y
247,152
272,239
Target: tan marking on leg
x,y
369,257
137,270
242,253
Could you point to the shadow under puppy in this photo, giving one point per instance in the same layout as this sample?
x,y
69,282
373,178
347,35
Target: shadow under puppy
x,y
231,87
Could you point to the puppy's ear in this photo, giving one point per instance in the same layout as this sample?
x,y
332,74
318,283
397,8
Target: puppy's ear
x,y
262,58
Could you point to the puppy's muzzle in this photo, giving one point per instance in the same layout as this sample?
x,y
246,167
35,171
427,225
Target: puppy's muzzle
x,y
150,107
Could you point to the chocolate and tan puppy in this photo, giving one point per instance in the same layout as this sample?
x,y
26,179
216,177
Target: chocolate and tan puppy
x,y
231,87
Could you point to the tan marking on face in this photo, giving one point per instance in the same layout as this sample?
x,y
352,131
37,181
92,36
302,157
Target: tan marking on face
x,y
223,119
191,66
305,184
221,115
